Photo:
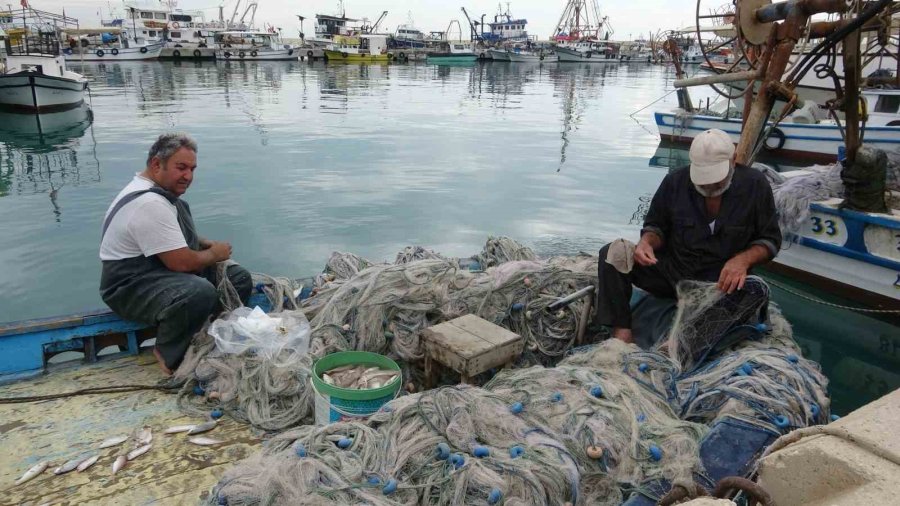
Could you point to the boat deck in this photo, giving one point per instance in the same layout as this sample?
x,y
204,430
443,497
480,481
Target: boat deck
x,y
172,472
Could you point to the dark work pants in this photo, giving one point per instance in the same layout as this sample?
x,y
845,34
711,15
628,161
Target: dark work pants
x,y
177,303
614,294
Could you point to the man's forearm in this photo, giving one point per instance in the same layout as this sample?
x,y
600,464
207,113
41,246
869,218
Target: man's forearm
x,y
755,255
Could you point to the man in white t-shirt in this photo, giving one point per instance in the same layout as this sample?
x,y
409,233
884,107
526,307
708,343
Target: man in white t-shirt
x,y
156,268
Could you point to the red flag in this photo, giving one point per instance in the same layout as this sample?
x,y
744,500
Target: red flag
x,y
24,3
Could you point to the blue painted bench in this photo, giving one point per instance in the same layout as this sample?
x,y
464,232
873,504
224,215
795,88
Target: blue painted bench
x,y
27,345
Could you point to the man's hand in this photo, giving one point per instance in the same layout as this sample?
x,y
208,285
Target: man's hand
x,y
221,251
734,274
643,253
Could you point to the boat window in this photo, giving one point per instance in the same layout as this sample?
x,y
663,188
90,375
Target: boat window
x,y
152,33
146,15
182,18
888,103
176,35
160,15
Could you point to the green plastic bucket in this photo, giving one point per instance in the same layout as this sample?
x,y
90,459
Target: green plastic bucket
x,y
334,403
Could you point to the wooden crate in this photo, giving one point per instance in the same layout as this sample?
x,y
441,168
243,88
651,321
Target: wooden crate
x,y
470,345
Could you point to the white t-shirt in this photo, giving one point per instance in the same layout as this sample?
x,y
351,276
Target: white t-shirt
x,y
148,225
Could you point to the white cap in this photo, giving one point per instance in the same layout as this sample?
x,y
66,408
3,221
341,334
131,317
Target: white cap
x,y
711,154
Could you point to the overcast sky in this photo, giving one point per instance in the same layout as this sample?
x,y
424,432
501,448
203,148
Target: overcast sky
x,y
632,17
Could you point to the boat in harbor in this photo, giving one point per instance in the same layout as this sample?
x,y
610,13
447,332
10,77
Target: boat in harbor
x,y
582,35
520,55
498,54
185,34
586,51
245,45
452,52
35,78
371,48
806,133
113,42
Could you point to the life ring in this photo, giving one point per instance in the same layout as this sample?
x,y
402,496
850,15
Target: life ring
x,y
542,57
114,51
778,135
100,53
344,54
402,56
253,53
309,54
176,53
175,24
587,55
144,49
290,51
227,54
241,54
197,53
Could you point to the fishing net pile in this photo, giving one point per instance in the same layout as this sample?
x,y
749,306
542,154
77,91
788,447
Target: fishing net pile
x,y
606,419
382,308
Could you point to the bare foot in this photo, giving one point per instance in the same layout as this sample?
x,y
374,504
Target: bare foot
x,y
623,335
161,362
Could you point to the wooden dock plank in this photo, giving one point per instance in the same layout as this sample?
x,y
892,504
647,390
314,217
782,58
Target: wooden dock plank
x,y
172,472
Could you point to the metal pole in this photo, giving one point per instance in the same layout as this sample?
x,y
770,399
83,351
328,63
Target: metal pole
x,y
718,78
851,94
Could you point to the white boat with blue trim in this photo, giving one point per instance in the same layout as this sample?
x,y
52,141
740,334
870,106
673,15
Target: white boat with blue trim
x,y
801,134
853,253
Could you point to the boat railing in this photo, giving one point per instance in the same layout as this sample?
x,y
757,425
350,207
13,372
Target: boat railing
x,y
44,44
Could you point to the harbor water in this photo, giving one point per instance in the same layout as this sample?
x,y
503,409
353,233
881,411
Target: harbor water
x,y
297,160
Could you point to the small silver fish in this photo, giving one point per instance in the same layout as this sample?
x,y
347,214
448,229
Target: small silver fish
x,y
35,470
133,454
175,429
120,462
88,462
144,436
204,441
203,427
113,441
68,466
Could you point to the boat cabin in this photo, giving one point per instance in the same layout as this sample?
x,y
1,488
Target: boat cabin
x,y
361,44
883,106
248,40
327,27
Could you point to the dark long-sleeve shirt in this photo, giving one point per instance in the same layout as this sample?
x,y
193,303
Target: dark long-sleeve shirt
x,y
690,249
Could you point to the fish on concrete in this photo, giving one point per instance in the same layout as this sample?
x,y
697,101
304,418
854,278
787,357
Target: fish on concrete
x,y
133,454
144,436
113,441
204,441
35,470
120,462
203,427
69,466
86,463
175,429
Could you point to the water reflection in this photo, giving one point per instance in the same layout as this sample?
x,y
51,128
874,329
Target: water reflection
x,y
40,153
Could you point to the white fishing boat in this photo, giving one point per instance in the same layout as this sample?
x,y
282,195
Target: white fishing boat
x,y
804,133
506,29
582,35
183,33
498,54
528,56
110,43
252,46
585,51
34,78
849,252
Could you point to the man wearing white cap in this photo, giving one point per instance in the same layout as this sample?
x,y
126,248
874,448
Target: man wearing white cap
x,y
711,221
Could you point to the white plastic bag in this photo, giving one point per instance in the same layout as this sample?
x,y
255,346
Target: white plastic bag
x,y
266,335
